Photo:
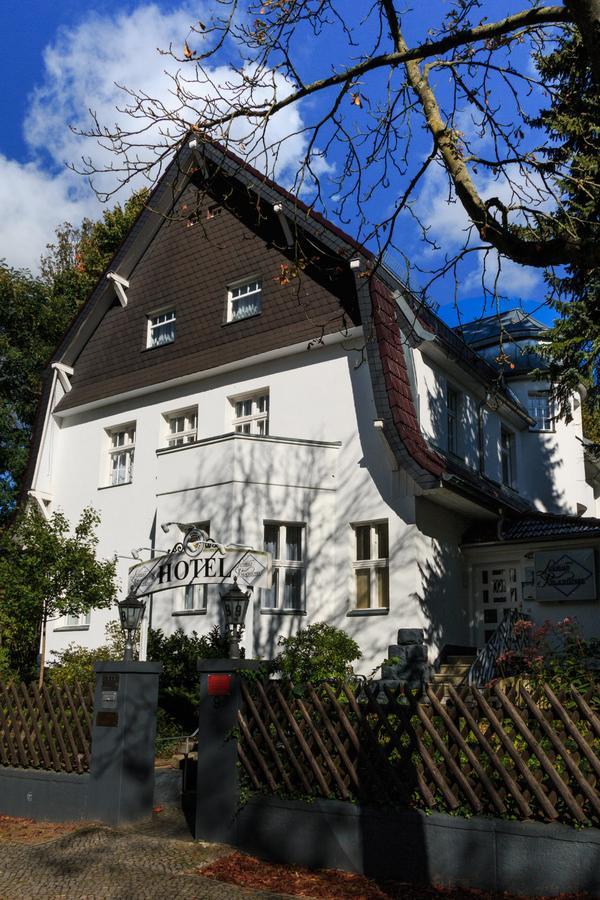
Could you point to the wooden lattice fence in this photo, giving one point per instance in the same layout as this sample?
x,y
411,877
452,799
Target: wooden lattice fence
x,y
512,754
46,729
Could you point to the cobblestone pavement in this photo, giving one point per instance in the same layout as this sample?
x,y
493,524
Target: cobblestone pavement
x,y
157,860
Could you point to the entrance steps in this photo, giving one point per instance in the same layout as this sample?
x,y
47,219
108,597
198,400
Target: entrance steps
x,y
454,670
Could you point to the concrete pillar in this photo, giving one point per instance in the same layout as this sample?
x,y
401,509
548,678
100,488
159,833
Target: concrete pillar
x,y
217,777
123,735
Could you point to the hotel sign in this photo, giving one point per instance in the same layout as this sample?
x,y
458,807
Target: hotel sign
x,y
565,575
201,562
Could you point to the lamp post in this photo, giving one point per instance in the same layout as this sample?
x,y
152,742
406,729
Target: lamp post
x,y
235,606
131,610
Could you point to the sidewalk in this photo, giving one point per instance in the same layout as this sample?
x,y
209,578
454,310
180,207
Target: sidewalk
x,y
155,860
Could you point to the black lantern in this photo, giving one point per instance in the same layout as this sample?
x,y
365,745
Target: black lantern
x,y
235,606
131,610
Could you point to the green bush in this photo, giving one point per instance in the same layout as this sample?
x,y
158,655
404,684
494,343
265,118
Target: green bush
x,y
179,682
320,652
75,664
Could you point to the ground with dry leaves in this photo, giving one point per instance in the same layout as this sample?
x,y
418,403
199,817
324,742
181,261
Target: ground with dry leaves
x,y
159,854
248,872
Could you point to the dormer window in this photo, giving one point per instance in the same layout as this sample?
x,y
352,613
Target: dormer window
x,y
244,300
161,329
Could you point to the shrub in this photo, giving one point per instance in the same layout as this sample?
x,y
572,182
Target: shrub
x,y
179,682
555,652
320,652
75,664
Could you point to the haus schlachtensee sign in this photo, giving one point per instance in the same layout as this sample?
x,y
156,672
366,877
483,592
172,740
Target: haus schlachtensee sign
x,y
565,575
199,560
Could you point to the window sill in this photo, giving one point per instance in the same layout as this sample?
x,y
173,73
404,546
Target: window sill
x,y
283,612
146,348
376,611
237,321
106,487
72,628
189,612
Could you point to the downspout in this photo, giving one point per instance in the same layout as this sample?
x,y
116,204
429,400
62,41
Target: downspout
x,y
480,437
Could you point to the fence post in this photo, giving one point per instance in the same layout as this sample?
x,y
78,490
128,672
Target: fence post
x,y
123,735
217,787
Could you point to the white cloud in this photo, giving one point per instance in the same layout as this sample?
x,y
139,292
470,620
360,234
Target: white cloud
x,y
32,204
449,228
83,67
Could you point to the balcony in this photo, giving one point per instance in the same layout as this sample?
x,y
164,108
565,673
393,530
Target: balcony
x,y
229,459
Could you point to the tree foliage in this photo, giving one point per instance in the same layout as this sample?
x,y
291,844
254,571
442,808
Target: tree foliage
x,y
573,125
34,314
47,571
385,95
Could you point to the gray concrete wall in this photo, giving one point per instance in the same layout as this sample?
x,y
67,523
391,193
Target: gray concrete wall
x,y
488,854
49,796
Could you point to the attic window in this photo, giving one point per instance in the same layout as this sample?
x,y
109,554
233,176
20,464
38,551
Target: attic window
x,y
213,211
244,300
161,329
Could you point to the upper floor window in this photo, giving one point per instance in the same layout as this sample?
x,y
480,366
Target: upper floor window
x,y
121,450
182,427
213,211
507,456
79,621
251,413
285,542
540,409
371,566
161,329
244,300
452,419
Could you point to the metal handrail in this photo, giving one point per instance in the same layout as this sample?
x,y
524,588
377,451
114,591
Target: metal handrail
x,y
485,667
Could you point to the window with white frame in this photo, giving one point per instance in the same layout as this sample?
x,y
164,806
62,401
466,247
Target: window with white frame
x,y
540,409
182,427
371,566
121,450
507,456
452,419
195,596
81,620
244,300
251,413
161,329
286,543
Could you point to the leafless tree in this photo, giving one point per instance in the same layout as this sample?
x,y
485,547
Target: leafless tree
x,y
386,108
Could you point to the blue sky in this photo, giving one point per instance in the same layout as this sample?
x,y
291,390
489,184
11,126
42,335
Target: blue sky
x,y
60,58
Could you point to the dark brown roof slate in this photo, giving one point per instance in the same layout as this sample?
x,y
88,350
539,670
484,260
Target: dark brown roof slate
x,y
399,394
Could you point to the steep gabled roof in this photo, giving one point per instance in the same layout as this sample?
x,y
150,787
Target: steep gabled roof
x,y
376,291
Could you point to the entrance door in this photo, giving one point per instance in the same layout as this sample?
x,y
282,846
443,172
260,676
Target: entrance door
x,y
497,593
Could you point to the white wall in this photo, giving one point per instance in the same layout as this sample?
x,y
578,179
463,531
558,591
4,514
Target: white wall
x,y
333,473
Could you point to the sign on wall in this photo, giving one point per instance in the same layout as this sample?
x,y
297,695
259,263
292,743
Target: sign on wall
x,y
565,575
201,562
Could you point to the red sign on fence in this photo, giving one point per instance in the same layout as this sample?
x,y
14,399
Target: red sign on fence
x,y
219,685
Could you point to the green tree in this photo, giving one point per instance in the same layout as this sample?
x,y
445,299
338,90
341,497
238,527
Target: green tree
x,y
572,124
45,572
34,314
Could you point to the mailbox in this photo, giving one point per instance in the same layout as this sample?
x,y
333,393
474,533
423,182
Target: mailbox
x,y
107,716
219,685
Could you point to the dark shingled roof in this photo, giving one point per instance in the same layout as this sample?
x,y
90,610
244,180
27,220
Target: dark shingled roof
x,y
537,527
